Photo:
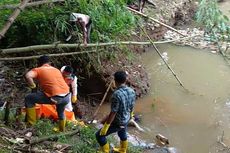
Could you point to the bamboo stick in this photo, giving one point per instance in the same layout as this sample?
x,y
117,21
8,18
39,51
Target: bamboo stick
x,y
161,23
102,101
63,46
155,47
12,18
50,55
31,4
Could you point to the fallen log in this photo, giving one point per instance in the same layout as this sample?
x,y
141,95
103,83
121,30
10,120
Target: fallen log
x,y
52,137
50,55
63,46
161,23
31,4
69,46
12,18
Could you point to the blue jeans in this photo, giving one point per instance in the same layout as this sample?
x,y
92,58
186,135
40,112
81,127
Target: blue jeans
x,y
40,98
121,131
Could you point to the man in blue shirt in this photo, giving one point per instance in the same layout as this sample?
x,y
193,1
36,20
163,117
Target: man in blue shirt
x,y
122,103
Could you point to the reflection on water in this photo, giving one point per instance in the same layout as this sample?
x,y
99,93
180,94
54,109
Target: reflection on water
x,y
191,121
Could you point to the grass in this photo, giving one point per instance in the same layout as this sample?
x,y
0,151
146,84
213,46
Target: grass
x,y
84,142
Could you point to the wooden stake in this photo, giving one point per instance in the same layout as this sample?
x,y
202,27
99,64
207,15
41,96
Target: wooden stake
x,y
102,101
161,23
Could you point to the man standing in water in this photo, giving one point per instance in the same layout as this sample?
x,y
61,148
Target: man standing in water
x,y
122,103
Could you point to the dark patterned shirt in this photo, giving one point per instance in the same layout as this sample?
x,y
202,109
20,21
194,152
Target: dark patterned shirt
x,y
122,102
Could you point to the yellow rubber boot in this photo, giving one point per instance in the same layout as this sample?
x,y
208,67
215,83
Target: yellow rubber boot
x,y
31,115
123,147
105,148
61,125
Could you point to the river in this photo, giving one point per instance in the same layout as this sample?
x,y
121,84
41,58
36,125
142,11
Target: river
x,y
192,121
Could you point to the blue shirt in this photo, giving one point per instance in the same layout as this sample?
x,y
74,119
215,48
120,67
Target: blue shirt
x,y
122,102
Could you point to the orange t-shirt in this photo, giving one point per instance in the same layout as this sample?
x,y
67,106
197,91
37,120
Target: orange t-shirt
x,y
50,80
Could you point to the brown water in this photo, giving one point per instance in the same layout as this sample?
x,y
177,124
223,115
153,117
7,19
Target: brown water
x,y
192,121
225,7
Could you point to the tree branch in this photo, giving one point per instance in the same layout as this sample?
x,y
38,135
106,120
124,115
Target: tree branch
x,y
12,18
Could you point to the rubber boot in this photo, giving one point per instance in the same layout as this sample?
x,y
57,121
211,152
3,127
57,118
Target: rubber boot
x,y
105,148
123,147
61,125
31,115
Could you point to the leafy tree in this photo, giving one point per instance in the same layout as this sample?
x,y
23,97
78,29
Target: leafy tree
x,y
215,23
49,23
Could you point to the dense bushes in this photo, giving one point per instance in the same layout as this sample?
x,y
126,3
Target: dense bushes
x,y
49,23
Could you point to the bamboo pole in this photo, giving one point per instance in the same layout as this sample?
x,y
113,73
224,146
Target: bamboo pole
x,y
102,101
63,46
50,55
31,4
158,52
69,46
161,23
12,18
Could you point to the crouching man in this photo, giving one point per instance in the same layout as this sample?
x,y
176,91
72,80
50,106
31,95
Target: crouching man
x,y
54,91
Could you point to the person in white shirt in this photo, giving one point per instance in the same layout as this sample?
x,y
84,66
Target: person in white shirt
x,y
71,81
85,23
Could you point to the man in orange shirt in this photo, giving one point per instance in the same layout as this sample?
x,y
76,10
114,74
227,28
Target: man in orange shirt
x,y
54,90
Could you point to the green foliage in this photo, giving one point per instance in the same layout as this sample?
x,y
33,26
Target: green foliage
x,y
216,24
48,23
133,149
44,127
7,2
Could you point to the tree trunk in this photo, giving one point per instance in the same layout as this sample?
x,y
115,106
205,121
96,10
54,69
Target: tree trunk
x,y
12,18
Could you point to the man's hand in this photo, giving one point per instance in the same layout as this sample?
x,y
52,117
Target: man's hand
x,y
104,129
74,99
33,88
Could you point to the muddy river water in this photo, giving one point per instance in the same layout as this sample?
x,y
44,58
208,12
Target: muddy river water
x,y
192,121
